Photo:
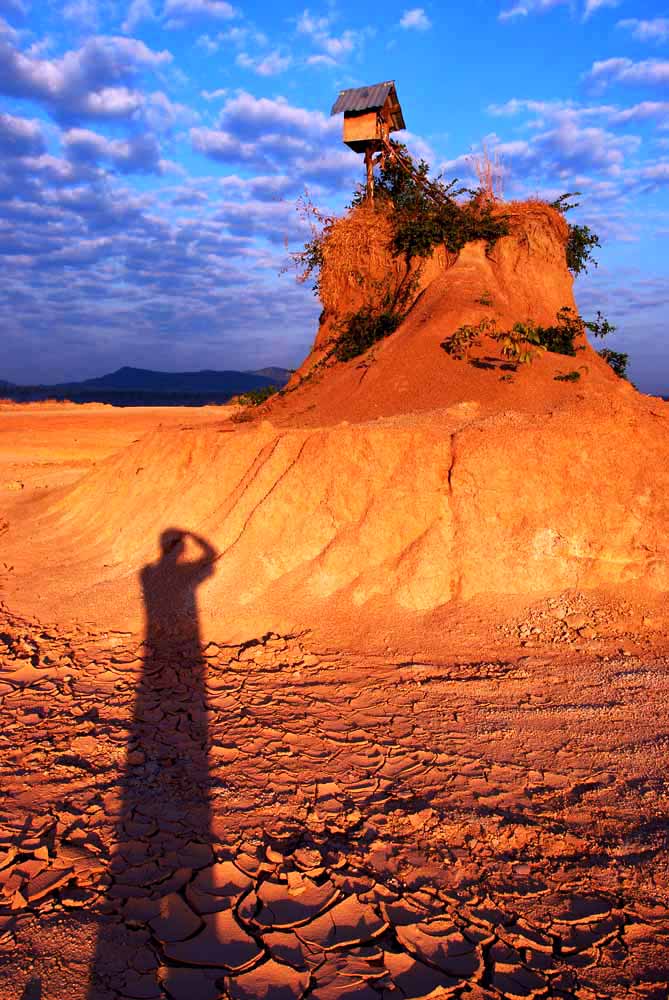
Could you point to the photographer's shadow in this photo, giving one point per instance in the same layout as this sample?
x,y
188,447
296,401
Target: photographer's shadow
x,y
163,823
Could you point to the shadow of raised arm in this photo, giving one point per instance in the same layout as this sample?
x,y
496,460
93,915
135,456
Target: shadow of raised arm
x,y
205,564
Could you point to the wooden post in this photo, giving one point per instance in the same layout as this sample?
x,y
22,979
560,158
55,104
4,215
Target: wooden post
x,y
369,164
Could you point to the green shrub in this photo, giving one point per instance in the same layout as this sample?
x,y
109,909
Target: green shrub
x,y
600,327
581,240
567,377
254,397
580,244
459,343
362,330
426,212
617,360
521,343
559,339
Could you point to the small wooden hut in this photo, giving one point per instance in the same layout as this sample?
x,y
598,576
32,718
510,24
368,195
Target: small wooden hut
x,y
370,115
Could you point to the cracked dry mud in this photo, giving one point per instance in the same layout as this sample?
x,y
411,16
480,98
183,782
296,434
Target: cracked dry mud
x,y
272,821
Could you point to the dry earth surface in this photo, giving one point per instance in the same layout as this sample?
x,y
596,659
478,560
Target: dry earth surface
x,y
283,818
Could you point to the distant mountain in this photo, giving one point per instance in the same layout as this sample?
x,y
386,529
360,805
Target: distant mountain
x,y
144,387
10,385
278,375
146,380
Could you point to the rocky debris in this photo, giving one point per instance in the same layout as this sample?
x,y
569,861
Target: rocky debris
x,y
453,830
576,616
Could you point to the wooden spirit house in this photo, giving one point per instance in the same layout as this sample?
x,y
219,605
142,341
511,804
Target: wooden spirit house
x,y
370,115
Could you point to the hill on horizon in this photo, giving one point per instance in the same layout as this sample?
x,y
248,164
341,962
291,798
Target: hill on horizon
x,y
205,380
144,386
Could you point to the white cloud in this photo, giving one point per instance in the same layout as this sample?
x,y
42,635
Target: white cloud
x,y
415,18
654,30
17,7
214,95
334,48
592,6
222,145
20,136
567,151
138,11
526,7
139,154
268,65
86,82
86,13
417,146
625,71
321,60
179,11
512,13
6,31
556,111
253,116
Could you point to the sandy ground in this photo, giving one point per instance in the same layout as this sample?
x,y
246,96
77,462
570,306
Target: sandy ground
x,y
44,445
482,815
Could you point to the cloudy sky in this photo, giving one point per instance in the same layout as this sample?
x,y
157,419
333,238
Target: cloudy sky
x,y
152,151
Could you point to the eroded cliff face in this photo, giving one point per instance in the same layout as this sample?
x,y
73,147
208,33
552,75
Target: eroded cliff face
x,y
523,277
399,482
406,512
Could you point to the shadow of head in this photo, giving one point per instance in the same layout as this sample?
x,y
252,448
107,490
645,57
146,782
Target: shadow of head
x,y
172,543
33,990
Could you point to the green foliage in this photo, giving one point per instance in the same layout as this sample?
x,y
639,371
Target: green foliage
x,y
485,299
568,377
579,248
617,360
459,343
521,343
426,212
562,203
600,327
581,240
257,396
559,339
364,329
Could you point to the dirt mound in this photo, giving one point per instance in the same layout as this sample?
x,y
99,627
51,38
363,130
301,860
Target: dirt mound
x,y
524,277
385,487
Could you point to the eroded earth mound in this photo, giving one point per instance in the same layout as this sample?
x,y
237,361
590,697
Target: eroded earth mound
x,y
358,695
393,483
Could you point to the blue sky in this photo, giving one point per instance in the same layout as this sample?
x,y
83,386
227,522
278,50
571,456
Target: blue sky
x,y
152,151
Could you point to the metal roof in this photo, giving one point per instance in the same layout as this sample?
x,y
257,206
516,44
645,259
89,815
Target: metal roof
x,y
363,98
